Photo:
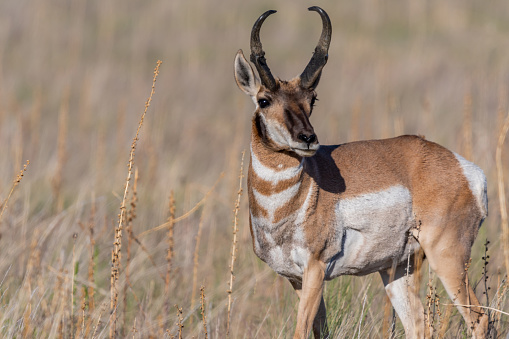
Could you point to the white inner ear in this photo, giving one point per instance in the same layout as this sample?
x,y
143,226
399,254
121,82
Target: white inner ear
x,y
244,75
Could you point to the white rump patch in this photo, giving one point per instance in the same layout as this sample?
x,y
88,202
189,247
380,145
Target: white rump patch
x,y
476,181
272,175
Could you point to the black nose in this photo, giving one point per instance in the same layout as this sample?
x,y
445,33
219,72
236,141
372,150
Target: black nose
x,y
307,138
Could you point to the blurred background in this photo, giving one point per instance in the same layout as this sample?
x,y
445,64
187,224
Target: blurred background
x,y
74,77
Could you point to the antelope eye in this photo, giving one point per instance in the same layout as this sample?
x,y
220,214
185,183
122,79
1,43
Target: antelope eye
x,y
263,103
313,100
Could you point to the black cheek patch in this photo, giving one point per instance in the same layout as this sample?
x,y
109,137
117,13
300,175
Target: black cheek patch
x,y
295,124
260,127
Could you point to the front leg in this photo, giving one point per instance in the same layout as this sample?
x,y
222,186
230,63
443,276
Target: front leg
x,y
320,328
311,305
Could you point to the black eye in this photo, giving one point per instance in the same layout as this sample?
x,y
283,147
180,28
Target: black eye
x,y
263,103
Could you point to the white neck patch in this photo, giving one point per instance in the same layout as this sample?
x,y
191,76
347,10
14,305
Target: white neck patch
x,y
274,201
272,175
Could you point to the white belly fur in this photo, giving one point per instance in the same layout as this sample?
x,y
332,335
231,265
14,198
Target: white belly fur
x,y
375,231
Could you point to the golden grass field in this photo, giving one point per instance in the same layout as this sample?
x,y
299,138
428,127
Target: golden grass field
x,y
74,80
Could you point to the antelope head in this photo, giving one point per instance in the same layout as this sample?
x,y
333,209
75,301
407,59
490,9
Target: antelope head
x,y
283,107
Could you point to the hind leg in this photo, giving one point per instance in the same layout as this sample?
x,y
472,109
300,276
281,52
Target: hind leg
x,y
405,299
448,253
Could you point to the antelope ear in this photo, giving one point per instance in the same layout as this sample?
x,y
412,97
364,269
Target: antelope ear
x,y
244,75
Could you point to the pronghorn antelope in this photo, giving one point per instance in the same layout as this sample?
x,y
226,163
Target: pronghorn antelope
x,y
318,212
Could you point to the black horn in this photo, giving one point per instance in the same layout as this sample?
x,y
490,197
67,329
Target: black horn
x,y
311,75
258,55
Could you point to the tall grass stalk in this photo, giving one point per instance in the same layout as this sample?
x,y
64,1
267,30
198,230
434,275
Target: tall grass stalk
x,y
169,253
234,244
117,244
14,184
196,261
180,320
131,215
73,279
501,192
202,311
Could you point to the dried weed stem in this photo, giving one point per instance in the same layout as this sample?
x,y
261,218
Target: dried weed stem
x,y
73,280
433,308
202,309
117,244
445,321
180,319
485,307
80,328
234,244
131,215
98,323
169,254
195,260
91,263
14,184
134,329
485,259
33,270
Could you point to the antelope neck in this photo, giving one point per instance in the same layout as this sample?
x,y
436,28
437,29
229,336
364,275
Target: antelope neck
x,y
273,167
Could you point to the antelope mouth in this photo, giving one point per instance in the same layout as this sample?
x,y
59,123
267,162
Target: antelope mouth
x,y
306,150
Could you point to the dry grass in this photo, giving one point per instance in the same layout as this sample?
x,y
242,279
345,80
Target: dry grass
x,y
169,253
14,184
501,191
73,80
234,246
117,243
202,311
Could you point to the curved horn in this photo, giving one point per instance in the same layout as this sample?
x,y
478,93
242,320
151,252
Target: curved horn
x,y
258,55
311,75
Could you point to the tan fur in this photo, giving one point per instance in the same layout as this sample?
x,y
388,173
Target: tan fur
x,y
303,209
